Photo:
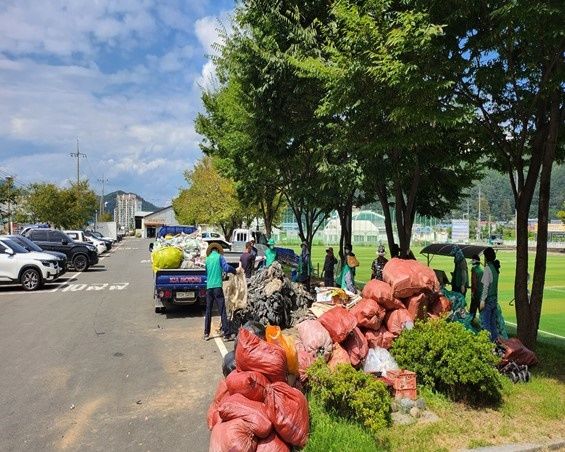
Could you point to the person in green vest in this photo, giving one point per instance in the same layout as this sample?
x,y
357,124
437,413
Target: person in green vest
x,y
346,279
460,280
215,265
489,297
476,284
270,253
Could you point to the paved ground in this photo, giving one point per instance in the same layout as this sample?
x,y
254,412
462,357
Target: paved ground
x,y
87,364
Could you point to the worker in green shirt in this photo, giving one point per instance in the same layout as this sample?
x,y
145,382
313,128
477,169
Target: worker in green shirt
x,y
270,253
215,265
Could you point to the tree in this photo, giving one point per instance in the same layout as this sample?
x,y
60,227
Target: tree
x,y
105,217
561,213
210,199
68,208
9,195
509,67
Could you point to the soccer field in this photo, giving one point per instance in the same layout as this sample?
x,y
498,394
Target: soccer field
x,y
553,308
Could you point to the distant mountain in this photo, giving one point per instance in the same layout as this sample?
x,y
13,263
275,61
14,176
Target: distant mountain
x,y
110,198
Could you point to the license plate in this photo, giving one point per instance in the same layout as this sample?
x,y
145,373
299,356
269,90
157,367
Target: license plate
x,y
185,295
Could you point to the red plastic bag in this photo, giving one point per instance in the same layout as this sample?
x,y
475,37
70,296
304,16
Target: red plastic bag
x,y
398,320
257,355
288,411
369,314
356,347
254,413
439,306
417,306
382,338
517,352
381,292
409,277
232,436
305,360
339,322
213,416
272,444
251,385
339,356
315,338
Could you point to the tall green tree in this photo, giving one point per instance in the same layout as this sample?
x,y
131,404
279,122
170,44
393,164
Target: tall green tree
x,y
210,199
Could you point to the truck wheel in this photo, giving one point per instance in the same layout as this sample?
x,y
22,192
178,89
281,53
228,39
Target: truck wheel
x,y
80,262
30,279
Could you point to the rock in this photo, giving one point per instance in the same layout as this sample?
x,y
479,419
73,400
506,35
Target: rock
x,y
405,405
415,412
394,406
421,404
402,419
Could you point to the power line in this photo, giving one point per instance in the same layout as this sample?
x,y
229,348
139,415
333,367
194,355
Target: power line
x,y
78,156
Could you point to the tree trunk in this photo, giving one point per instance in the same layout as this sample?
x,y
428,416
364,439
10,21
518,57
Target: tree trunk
x,y
383,198
345,213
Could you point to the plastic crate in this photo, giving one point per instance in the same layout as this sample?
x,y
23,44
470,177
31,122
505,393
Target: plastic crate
x,y
411,394
402,379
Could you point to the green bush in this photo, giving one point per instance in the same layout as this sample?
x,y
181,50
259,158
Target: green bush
x,y
351,394
449,359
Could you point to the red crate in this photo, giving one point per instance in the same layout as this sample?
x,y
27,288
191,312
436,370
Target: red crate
x,y
402,379
411,394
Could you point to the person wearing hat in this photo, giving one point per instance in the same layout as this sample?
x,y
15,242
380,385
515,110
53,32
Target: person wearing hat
x,y
378,264
346,279
270,253
215,265
460,280
476,284
329,265
305,266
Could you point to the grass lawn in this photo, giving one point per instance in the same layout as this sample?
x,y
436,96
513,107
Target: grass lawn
x,y
553,309
530,413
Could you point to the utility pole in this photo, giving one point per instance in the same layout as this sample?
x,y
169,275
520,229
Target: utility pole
x,y
78,156
103,181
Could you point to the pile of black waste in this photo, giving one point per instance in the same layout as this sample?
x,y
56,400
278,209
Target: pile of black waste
x,y
273,299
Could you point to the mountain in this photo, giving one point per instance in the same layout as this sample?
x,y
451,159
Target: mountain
x,y
110,198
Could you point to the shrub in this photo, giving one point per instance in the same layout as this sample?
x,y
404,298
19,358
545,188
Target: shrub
x,y
449,359
351,394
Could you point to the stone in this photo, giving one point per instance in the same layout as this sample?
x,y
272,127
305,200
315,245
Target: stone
x,y
421,404
405,405
415,412
394,406
402,419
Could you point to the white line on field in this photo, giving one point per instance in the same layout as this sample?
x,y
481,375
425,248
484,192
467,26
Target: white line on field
x,y
556,289
542,331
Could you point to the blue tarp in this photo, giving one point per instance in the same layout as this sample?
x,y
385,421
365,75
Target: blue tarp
x,y
174,230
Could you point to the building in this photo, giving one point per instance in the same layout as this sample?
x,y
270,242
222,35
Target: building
x,y
124,213
151,223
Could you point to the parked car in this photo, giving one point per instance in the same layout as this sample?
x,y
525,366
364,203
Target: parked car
x,y
80,236
28,268
97,235
31,246
79,255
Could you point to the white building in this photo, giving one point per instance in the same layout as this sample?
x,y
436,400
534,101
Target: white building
x,y
151,223
367,227
126,207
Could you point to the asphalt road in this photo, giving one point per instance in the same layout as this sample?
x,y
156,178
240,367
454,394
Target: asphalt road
x,y
86,364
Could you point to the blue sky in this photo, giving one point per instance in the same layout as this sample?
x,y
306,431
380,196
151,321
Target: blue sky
x,y
125,77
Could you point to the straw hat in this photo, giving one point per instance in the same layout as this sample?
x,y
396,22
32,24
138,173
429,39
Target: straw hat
x,y
214,246
352,261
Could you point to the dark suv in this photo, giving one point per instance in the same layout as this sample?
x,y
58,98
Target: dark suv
x,y
79,255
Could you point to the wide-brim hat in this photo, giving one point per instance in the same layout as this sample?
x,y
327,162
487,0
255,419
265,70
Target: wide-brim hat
x,y
330,249
214,246
352,261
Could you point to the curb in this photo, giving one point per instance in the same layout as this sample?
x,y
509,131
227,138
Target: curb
x,y
525,447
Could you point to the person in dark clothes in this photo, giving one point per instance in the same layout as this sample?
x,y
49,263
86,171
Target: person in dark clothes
x,y
305,266
394,250
378,264
329,266
489,296
476,284
215,264
247,260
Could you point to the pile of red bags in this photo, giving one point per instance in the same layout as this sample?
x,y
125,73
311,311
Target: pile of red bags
x,y
254,409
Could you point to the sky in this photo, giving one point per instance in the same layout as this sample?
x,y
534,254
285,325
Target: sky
x,y
124,77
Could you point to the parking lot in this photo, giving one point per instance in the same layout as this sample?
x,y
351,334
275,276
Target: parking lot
x,y
87,364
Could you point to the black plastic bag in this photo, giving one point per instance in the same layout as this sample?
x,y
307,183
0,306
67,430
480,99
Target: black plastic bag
x,y
256,328
229,363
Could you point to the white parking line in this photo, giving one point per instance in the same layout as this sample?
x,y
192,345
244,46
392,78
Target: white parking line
x,y
221,346
541,331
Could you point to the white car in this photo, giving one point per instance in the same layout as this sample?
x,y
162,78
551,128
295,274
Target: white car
x,y
28,268
80,236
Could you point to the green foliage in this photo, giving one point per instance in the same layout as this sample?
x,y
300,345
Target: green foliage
x,y
561,214
209,199
105,217
351,394
449,359
68,208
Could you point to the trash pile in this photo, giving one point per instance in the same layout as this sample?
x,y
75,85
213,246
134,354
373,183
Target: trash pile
x,y
179,251
273,299
255,408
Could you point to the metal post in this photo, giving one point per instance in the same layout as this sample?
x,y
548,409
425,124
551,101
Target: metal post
x,y
78,156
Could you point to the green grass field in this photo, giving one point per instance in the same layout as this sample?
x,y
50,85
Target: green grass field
x,y
553,309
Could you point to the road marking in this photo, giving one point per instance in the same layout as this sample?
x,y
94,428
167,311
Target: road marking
x,y
144,261
542,331
221,346
96,287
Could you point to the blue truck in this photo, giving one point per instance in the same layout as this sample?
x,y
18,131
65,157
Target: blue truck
x,y
187,286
